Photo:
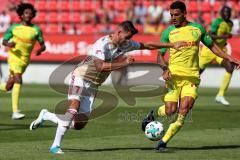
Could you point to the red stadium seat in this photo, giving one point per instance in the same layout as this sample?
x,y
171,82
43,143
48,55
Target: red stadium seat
x,y
146,3
88,29
238,7
193,6
41,17
65,17
76,17
120,17
76,5
207,17
41,5
32,2
217,6
64,5
121,5
108,4
53,17
14,17
53,29
88,5
52,5
194,15
206,6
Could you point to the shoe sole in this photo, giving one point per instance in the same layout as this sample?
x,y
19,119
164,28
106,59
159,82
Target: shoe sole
x,y
31,125
221,103
18,118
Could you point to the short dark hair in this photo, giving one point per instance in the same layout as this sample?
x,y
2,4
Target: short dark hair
x,y
178,5
22,6
227,8
128,26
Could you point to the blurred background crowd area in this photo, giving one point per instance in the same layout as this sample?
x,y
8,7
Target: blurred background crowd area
x,y
101,16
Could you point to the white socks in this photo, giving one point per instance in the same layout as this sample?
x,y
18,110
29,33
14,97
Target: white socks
x,y
50,117
64,123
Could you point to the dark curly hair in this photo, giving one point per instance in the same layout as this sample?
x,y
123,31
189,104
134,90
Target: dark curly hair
x,y
22,6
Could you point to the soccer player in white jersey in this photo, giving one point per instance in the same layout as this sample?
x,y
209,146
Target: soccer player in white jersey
x,y
106,55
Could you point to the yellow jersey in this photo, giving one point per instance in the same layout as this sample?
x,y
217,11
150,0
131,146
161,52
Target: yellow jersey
x,y
220,27
185,62
25,38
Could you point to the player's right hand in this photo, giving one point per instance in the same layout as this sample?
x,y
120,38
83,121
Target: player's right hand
x,y
11,44
166,75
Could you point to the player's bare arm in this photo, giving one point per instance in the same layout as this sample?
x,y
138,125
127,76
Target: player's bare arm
x,y
117,64
166,73
41,49
216,50
9,44
158,45
223,36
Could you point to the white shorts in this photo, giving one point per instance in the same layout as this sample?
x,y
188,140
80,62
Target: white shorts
x,y
84,91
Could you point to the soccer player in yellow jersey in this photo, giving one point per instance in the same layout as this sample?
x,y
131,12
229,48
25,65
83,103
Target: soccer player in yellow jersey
x,y
220,31
21,38
182,73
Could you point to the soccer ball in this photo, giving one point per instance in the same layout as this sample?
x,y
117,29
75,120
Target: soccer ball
x,y
154,130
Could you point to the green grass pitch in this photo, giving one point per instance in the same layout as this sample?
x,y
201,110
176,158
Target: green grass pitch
x,y
212,131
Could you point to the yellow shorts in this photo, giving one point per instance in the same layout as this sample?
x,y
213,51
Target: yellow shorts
x,y
206,56
179,87
16,65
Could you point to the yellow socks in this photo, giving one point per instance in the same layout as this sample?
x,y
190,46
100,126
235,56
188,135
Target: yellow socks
x,y
161,111
15,96
225,83
174,128
3,87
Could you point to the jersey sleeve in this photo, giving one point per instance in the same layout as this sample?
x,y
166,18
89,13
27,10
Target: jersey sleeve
x,y
164,39
214,26
131,46
8,35
205,38
39,35
135,45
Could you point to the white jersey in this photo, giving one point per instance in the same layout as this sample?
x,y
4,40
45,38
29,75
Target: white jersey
x,y
105,50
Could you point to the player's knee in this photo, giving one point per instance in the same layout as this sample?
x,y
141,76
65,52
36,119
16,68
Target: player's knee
x,y
9,86
80,121
79,126
170,111
171,108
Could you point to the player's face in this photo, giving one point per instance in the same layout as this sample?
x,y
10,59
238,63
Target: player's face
x,y
124,36
177,17
27,15
226,14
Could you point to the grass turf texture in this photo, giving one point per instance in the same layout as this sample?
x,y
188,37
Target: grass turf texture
x,y
211,131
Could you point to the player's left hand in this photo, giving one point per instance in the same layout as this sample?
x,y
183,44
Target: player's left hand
x,y
178,45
